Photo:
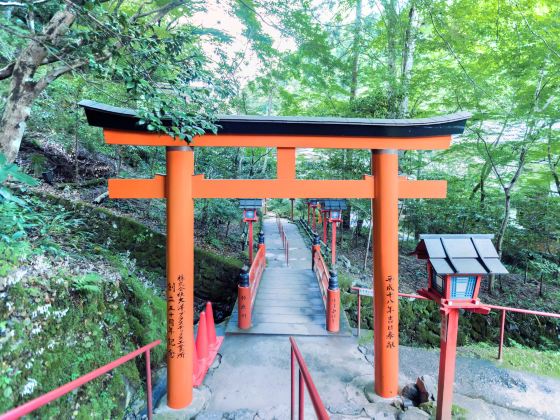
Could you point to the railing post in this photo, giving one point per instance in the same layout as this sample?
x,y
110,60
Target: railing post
x,y
301,396
287,253
244,300
316,247
293,380
502,330
261,238
333,304
149,385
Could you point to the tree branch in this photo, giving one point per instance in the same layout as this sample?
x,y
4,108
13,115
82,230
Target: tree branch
x,y
20,4
161,11
7,71
55,74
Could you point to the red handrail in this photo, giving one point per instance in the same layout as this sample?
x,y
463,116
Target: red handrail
x,y
255,273
304,379
39,402
322,273
504,310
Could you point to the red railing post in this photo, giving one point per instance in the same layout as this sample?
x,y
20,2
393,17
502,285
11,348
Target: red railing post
x,y
305,380
333,303
149,385
244,298
502,330
301,396
292,380
316,247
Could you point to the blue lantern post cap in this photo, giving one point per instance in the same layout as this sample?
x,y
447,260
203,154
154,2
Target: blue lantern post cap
x,y
244,277
316,239
333,280
261,237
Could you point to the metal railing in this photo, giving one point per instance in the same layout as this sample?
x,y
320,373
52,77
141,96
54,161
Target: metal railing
x,y
284,238
305,380
39,402
503,309
310,234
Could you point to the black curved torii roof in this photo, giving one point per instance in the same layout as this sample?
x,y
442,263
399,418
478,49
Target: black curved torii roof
x,y
111,117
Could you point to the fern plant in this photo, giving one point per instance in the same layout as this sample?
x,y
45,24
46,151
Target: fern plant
x,y
10,170
88,284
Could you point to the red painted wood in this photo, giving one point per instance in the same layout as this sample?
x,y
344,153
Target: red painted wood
x,y
305,378
448,348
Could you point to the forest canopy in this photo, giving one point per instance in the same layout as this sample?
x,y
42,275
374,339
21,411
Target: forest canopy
x,y
189,60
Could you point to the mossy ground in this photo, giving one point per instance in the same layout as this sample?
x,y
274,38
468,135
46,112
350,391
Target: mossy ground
x,y
63,317
81,287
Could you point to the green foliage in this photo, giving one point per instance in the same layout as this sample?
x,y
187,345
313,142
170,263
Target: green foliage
x,y
10,170
60,324
87,284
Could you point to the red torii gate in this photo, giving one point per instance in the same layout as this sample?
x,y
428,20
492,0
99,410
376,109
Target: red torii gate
x,y
180,186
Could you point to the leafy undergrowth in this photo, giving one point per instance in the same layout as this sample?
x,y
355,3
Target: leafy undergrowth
x,y
66,312
517,357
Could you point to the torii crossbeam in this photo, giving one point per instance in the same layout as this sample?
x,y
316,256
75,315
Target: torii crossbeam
x,y
180,186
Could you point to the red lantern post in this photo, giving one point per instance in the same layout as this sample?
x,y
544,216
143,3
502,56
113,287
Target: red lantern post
x,y
456,264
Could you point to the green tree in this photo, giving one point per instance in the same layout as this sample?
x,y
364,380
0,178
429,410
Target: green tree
x,y
140,45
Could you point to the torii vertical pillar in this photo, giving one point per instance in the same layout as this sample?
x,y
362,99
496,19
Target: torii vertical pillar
x,y
180,275
386,271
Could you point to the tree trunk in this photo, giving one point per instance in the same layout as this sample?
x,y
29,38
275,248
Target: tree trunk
x,y
408,57
356,50
484,173
391,19
368,242
14,118
501,233
553,164
23,89
76,151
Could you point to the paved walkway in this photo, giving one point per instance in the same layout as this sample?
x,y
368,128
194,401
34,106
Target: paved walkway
x,y
289,300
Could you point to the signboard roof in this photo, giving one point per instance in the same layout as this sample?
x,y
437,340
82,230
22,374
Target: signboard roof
x,y
460,254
